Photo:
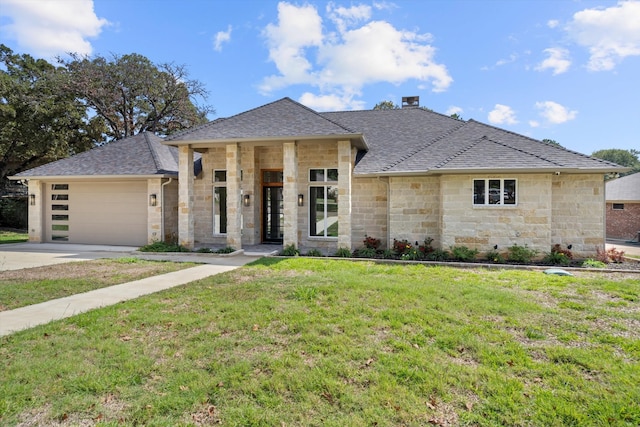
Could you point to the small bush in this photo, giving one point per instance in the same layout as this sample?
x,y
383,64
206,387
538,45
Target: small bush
x,y
412,254
401,247
205,251
365,253
521,254
388,254
425,248
290,250
163,247
463,253
593,263
343,253
556,258
438,255
495,256
615,255
314,252
226,250
557,249
371,242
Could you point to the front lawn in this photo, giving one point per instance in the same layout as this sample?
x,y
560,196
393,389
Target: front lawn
x,y
309,342
13,236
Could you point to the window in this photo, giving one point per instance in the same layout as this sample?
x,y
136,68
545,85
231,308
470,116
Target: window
x,y
220,202
59,186
494,192
323,203
618,206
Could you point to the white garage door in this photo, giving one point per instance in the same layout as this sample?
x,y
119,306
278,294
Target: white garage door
x,y
97,213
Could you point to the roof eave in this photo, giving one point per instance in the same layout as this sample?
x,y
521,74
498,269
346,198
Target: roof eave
x,y
357,140
466,171
90,177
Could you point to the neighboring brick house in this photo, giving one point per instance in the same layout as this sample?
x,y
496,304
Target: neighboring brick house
x,y
286,174
623,207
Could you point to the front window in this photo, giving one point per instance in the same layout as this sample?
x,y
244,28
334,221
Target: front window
x,y
220,203
494,192
323,203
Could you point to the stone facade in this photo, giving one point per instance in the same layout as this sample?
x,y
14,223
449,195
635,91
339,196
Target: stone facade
x,y
623,223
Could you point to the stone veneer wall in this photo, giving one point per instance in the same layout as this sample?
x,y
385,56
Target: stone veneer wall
x,y
623,223
171,211
414,209
578,213
481,227
212,159
369,211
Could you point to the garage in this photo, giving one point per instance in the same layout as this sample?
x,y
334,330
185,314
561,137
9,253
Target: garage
x,y
105,213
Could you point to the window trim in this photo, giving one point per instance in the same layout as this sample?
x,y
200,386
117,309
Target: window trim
x,y
325,184
487,203
216,185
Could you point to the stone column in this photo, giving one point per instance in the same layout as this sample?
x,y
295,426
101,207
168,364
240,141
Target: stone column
x,y
290,194
234,202
36,212
186,232
154,213
250,214
345,165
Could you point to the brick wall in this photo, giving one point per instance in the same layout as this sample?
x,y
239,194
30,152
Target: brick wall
x,y
625,223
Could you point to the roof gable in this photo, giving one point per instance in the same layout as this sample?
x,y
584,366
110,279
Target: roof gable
x,y
626,188
284,118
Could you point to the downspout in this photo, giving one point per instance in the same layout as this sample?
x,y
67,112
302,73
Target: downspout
x,y
386,182
162,208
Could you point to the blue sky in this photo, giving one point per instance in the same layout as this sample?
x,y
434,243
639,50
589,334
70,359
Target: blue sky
x,y
564,70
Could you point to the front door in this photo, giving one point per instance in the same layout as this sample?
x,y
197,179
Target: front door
x,y
272,207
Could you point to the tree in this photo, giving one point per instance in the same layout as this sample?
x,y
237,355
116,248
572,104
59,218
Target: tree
x,y
552,142
39,122
456,116
133,95
386,105
628,158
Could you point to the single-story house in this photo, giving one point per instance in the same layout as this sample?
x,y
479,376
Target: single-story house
x,y
286,174
623,207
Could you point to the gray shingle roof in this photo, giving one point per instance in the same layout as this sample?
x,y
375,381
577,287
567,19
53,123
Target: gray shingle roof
x,y
284,118
142,154
626,188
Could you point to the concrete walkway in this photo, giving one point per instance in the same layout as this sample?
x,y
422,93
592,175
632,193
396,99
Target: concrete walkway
x,y
30,255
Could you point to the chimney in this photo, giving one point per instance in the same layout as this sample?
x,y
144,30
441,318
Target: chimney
x,y
410,101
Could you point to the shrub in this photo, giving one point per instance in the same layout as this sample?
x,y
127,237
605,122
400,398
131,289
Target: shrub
x,y
438,255
343,253
425,248
521,254
314,252
226,250
163,247
556,258
495,256
204,251
371,242
592,263
557,249
14,213
611,255
290,250
388,254
365,253
463,253
412,254
401,247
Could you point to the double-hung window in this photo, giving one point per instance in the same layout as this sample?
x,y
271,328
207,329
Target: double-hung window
x,y
494,192
219,202
323,203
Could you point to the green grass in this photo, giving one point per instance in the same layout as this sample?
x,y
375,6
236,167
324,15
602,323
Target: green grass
x,y
19,288
307,342
12,236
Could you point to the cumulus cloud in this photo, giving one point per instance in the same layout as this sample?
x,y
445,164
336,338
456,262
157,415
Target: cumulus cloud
x,y
331,102
610,34
534,123
359,52
502,114
220,38
453,110
556,60
553,23
555,113
53,27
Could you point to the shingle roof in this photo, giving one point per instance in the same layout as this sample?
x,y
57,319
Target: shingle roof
x,y
626,188
284,118
142,154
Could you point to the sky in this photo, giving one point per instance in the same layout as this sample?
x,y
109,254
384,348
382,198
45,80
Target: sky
x,y
566,70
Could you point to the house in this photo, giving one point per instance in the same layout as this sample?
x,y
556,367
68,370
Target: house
x,y
284,173
623,207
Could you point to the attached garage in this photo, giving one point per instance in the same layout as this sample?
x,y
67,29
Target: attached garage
x,y
107,213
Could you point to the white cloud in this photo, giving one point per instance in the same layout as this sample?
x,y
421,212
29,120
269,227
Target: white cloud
x,y
512,58
361,52
557,60
553,23
610,34
534,123
453,110
220,38
330,102
53,27
502,114
554,112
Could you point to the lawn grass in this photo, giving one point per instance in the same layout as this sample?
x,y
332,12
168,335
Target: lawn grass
x,y
19,288
307,342
13,236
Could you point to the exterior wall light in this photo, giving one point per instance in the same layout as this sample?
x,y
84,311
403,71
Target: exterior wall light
x,y
246,200
153,200
32,199
300,199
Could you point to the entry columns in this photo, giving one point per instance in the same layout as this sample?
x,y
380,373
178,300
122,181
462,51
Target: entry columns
x,y
290,194
344,194
186,229
234,202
